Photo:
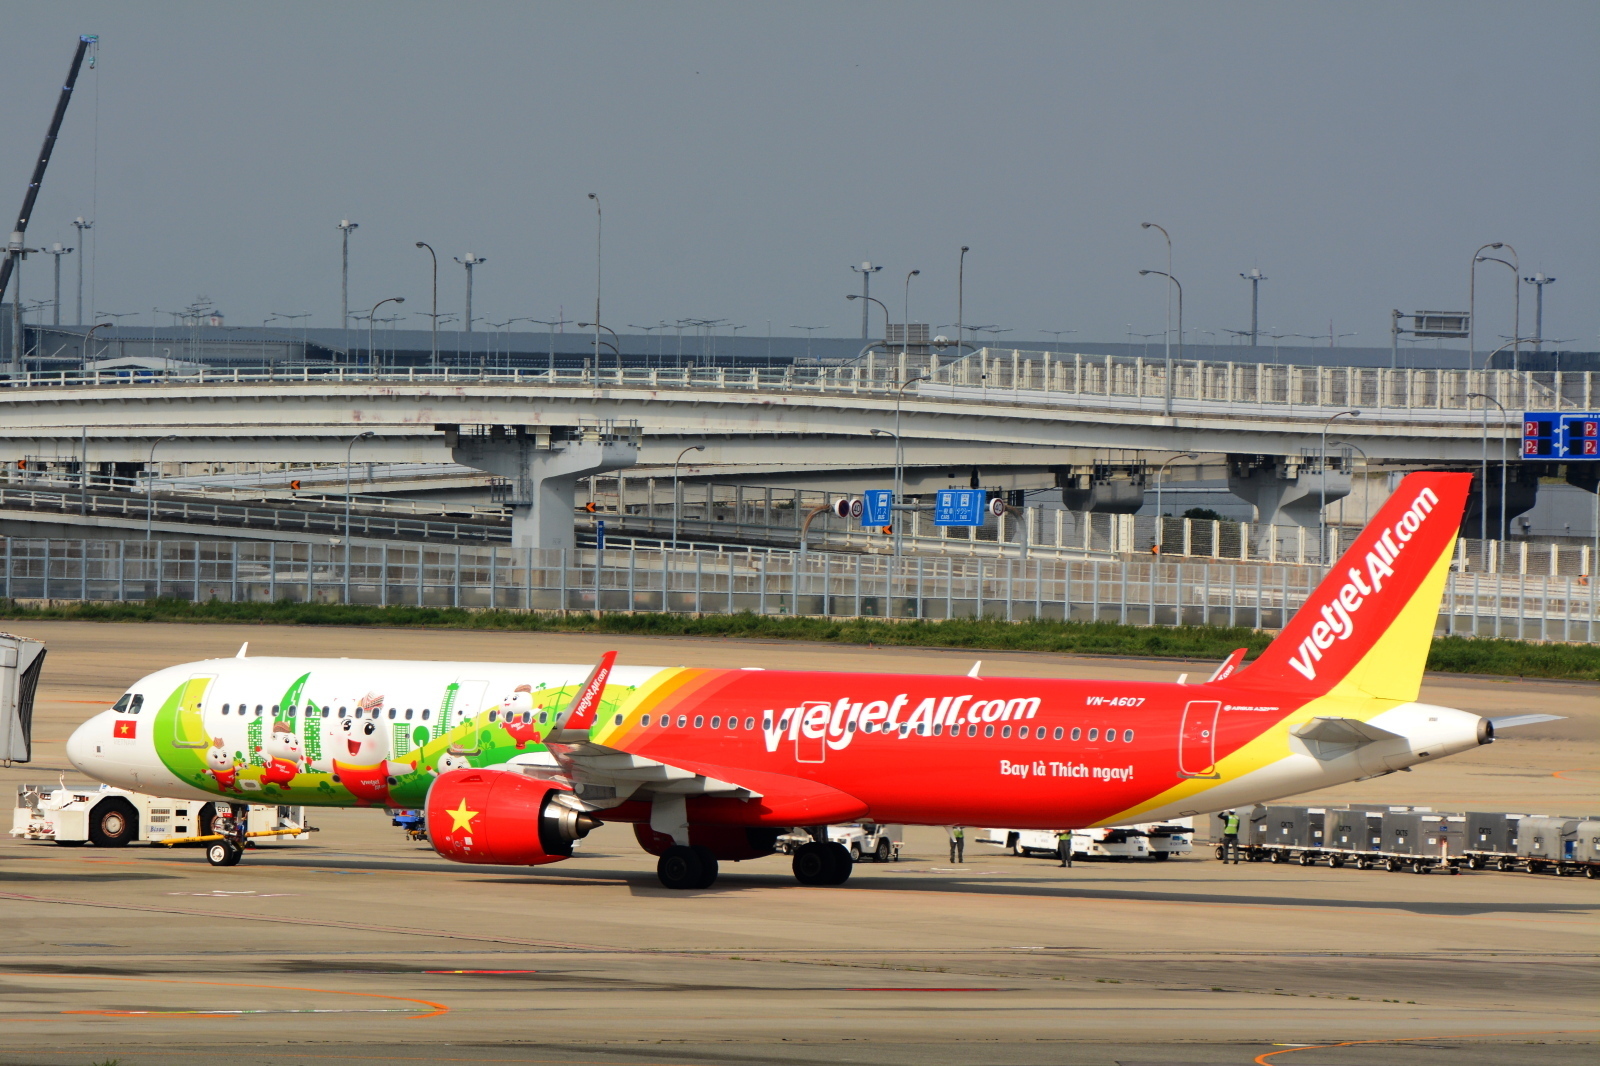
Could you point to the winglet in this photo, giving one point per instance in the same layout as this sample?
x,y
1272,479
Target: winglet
x,y
242,649
1226,668
975,668
579,714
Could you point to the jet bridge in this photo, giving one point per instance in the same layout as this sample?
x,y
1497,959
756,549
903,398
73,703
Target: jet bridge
x,y
21,661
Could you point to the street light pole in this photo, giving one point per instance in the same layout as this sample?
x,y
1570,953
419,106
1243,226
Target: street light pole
x,y
58,250
961,286
676,494
1255,278
1472,304
372,364
1322,513
347,458
150,483
905,327
433,361
599,232
1167,387
866,270
881,305
1160,521
1538,281
1516,304
470,261
1168,337
345,226
1505,434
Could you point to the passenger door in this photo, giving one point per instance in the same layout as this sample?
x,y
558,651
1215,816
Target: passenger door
x,y
1197,739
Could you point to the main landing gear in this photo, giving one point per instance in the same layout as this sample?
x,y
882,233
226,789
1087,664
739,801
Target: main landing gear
x,y
687,867
822,864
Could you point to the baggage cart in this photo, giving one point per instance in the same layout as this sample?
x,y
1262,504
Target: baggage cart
x,y
1492,840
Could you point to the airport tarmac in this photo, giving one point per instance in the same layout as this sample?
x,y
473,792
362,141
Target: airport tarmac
x,y
362,946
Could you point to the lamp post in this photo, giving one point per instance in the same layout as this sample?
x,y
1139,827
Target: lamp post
x,y
1322,513
616,348
1538,281
1516,305
470,261
81,224
150,483
433,359
1168,238
961,291
1505,433
599,232
371,352
905,326
1472,303
1058,334
881,305
866,270
676,497
1255,278
1160,521
1167,386
58,250
345,226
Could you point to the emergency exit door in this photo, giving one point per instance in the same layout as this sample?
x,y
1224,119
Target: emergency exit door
x,y
1197,739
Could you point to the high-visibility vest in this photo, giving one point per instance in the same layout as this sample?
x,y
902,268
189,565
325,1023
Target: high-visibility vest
x,y
1231,826
958,833
1064,837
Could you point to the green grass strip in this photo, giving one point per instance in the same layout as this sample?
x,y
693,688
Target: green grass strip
x,y
1449,654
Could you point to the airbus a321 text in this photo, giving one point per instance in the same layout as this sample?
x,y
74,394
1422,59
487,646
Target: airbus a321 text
x,y
514,762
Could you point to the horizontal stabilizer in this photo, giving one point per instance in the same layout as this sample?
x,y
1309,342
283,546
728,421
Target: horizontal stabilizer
x,y
1345,732
1524,719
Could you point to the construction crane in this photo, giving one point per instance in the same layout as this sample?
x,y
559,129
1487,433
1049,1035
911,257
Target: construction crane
x,y
14,247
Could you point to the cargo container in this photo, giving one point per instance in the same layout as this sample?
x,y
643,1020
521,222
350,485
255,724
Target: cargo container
x,y
1492,839
1352,836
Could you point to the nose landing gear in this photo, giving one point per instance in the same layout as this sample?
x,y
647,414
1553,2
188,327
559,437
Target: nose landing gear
x,y
230,822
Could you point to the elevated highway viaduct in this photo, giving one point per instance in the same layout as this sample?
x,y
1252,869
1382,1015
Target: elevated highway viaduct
x,y
757,427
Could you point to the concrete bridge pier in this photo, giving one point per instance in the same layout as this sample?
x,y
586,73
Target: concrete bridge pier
x,y
543,465
1103,488
1287,490
1522,492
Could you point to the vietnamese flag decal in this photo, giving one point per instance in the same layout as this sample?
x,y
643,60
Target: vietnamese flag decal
x,y
125,729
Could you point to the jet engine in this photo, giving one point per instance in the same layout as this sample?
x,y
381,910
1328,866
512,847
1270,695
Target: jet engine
x,y
729,843
493,816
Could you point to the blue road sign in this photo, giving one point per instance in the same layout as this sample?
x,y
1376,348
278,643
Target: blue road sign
x,y
600,535
1580,436
959,507
877,507
1560,435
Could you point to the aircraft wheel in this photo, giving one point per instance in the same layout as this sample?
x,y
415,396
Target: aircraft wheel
x,y
113,823
842,864
882,854
813,864
708,866
223,853
681,868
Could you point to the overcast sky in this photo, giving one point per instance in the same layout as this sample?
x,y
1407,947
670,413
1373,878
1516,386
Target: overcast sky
x,y
746,154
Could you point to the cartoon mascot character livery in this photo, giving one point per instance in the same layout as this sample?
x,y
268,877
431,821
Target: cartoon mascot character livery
x,y
359,756
285,755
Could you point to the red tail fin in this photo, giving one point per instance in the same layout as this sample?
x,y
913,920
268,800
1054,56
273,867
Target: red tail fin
x,y
1369,624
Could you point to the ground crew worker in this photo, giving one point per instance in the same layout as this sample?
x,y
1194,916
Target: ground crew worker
x,y
1230,836
958,844
1064,847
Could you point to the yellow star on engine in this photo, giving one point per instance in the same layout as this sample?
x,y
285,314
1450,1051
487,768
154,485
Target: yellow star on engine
x,y
462,817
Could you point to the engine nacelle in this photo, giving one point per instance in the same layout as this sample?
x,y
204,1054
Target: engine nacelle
x,y
729,843
494,816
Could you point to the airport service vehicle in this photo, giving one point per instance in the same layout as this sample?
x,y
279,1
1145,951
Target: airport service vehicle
x,y
114,817
1166,839
512,763
1101,842
863,840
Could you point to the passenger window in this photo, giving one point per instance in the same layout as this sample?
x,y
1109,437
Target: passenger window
x,y
988,730
393,711
408,714
922,729
1057,734
616,719
1094,734
749,723
1005,732
643,721
344,712
766,723
1111,736
329,710
716,721
699,721
1077,734
224,708
972,730
1022,732
1127,736
938,729
274,710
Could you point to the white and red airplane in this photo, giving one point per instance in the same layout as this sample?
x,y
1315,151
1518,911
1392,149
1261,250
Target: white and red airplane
x,y
513,762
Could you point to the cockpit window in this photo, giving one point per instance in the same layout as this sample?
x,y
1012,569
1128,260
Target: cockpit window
x,y
122,704
138,704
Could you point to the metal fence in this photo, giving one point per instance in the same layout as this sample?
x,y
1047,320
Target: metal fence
x,y
1134,592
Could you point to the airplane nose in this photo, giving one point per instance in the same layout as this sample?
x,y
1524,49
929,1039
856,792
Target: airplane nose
x,y
81,745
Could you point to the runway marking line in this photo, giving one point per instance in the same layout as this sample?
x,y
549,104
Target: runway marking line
x,y
439,1009
1577,770
1261,1060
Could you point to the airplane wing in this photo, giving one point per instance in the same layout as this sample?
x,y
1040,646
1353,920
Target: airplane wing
x,y
1349,732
